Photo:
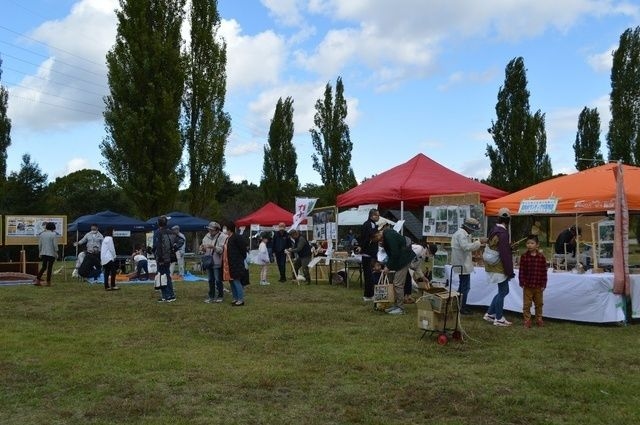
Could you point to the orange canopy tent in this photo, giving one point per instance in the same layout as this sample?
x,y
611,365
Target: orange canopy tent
x,y
586,192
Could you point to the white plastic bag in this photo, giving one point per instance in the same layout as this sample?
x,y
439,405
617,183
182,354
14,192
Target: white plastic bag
x,y
490,256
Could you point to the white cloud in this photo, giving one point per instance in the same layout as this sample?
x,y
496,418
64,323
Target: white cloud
x,y
398,45
68,87
285,11
243,149
75,164
252,60
602,62
460,78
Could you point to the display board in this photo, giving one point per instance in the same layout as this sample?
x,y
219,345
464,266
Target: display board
x,y
605,242
324,223
24,229
445,220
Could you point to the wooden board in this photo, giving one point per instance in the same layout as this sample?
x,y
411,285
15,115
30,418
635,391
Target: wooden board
x,y
471,198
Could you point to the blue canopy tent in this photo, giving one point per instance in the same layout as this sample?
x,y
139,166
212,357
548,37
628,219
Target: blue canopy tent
x,y
106,219
187,223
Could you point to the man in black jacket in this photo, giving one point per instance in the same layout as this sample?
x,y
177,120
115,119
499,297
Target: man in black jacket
x,y
368,247
281,242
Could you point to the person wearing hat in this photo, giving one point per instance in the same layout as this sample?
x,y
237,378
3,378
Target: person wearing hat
x,y
369,250
501,272
281,242
179,252
461,248
213,244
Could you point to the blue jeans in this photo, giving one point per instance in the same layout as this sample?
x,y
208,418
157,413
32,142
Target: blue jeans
x,y
215,283
463,289
142,266
497,304
237,290
167,291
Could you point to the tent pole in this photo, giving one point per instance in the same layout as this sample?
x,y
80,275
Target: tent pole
x,y
402,216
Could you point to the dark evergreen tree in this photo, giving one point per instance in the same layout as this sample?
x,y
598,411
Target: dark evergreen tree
x,y
519,158
623,139
5,130
587,145
24,189
279,177
332,142
206,126
143,147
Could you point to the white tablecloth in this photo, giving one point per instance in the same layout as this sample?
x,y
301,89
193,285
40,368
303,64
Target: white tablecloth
x,y
581,297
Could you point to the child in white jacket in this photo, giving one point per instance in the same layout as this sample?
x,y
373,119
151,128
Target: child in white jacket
x,y
263,259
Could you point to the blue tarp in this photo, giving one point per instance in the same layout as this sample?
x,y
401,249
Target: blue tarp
x,y
107,219
187,223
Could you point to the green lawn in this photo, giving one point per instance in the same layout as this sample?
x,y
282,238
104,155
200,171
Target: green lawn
x,y
76,354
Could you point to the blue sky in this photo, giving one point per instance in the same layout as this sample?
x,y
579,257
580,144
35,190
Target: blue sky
x,y
419,75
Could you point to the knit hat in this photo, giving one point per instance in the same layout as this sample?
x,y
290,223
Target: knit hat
x,y
504,212
471,224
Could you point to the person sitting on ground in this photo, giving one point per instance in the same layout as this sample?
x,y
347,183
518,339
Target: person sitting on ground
x,y
141,264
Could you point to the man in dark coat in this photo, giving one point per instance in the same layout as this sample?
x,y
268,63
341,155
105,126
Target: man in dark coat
x,y
400,255
369,250
281,242
234,267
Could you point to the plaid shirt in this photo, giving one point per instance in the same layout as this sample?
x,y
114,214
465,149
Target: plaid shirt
x,y
533,270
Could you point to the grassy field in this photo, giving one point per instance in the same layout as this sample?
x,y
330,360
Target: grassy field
x,y
76,354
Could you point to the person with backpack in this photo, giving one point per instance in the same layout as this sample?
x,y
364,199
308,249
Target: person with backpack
x,y
165,245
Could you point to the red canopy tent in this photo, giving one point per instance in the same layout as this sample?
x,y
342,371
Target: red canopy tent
x,y
269,214
412,183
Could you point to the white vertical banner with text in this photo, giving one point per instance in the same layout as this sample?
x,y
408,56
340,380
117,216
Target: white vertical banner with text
x,y
303,207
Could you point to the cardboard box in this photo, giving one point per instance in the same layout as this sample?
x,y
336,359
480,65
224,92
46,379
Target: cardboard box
x,y
439,300
430,320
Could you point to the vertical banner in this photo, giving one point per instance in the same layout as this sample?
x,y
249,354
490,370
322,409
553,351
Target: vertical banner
x,y
621,239
303,207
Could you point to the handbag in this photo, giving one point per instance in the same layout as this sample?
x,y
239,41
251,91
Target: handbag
x,y
490,256
206,262
160,281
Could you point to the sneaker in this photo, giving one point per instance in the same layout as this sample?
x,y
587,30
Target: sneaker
x,y
218,300
170,300
527,323
162,300
502,322
367,299
489,317
389,309
209,300
115,288
540,323
396,311
263,283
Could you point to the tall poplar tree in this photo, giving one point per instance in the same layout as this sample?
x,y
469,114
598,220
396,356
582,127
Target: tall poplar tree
x,y
5,129
587,145
520,137
279,181
332,142
623,139
143,147
206,125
